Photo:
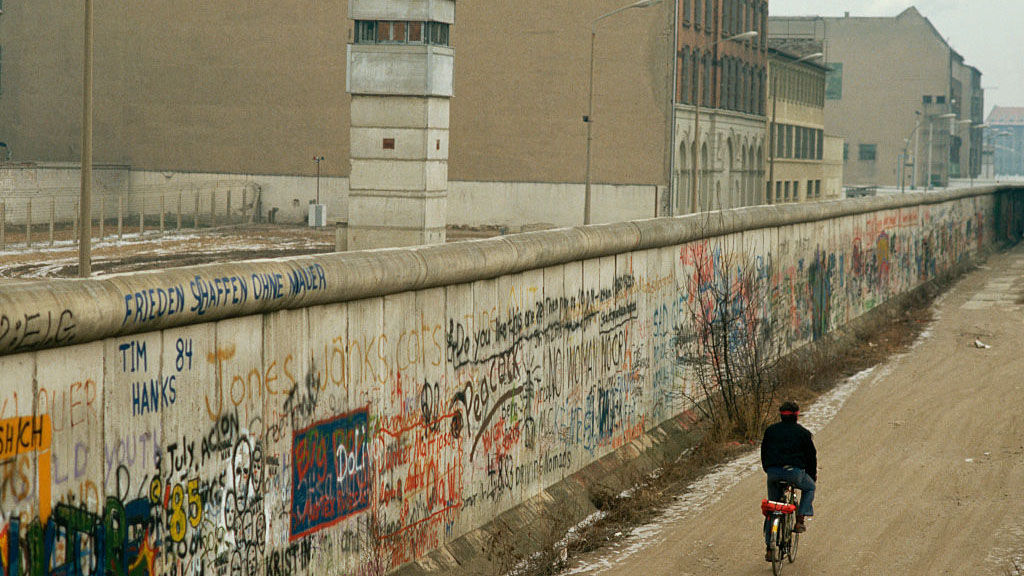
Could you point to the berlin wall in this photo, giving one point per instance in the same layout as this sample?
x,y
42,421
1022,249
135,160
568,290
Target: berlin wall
x,y
278,417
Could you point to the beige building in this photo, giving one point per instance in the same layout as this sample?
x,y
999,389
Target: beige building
x,y
897,93
802,158
257,90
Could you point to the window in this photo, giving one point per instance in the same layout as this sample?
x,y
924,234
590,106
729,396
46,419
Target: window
x,y
708,15
415,32
697,14
778,192
834,81
789,142
810,190
799,149
401,32
785,198
685,77
366,32
926,99
867,152
817,188
846,151
821,144
940,99
383,32
438,33
687,10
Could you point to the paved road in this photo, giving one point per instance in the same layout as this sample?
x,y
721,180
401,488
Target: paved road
x,y
922,467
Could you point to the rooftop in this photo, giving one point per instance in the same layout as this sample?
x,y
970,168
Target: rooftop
x,y
1004,115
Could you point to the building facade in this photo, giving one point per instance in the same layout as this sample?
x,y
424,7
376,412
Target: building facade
x,y
722,145
799,150
256,91
1004,136
898,95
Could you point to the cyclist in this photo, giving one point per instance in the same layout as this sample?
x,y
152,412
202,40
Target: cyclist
x,y
788,455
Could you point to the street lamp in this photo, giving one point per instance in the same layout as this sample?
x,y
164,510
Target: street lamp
x,y
85,201
906,143
959,124
588,119
318,160
931,133
970,162
771,131
696,117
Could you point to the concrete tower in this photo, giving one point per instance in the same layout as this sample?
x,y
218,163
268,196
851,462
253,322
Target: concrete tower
x,y
400,67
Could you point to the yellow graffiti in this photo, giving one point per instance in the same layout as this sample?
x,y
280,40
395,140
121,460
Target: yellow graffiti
x,y
26,435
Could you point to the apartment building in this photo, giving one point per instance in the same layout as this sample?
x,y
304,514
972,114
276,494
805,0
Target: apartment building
x,y
804,162
901,98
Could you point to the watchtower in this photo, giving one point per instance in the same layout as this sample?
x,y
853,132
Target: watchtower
x,y
400,69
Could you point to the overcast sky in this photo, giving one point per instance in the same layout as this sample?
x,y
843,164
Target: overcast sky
x,y
988,33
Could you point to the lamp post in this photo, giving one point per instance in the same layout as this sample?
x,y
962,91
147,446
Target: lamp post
x,y
906,143
85,202
696,118
931,133
588,119
970,159
771,130
318,160
960,148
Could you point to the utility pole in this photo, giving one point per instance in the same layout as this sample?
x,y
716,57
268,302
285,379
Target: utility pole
x,y
85,202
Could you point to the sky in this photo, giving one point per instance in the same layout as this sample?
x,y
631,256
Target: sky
x,y
989,34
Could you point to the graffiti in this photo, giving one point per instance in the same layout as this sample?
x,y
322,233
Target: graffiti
x,y
152,304
116,543
308,278
32,329
255,383
27,435
331,473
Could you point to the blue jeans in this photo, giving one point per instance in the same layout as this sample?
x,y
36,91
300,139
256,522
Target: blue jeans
x,y
795,477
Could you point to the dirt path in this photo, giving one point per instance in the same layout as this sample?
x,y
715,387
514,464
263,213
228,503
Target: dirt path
x,y
922,468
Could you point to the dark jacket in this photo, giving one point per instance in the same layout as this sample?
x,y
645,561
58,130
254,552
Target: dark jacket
x,y
789,444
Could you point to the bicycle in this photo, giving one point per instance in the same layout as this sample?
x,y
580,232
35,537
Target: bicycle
x,y
781,518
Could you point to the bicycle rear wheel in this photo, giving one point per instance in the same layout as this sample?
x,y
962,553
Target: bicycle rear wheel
x,y
778,540
794,540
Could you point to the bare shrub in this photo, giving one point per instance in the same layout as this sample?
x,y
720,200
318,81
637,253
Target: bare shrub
x,y
731,340
375,557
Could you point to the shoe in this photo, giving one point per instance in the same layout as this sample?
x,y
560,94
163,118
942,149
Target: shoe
x,y
768,556
799,528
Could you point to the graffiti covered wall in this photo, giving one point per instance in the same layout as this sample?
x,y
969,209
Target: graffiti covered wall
x,y
178,423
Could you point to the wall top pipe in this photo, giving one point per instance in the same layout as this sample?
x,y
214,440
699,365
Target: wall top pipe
x,y
53,313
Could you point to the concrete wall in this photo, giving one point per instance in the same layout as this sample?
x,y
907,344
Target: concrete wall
x,y
267,417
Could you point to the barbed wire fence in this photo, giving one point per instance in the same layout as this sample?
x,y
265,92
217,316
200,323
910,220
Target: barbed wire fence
x,y
46,216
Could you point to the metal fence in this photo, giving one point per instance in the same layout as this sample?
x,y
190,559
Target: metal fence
x,y
48,215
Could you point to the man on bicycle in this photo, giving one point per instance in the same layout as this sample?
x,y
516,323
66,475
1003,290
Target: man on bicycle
x,y
788,455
